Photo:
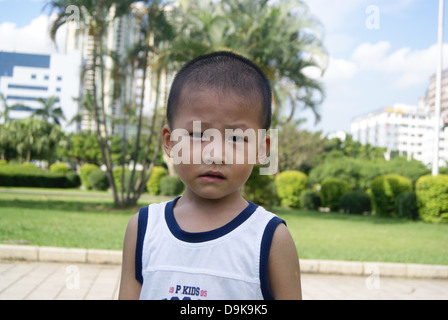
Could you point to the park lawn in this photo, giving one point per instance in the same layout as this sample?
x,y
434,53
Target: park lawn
x,y
88,220
338,236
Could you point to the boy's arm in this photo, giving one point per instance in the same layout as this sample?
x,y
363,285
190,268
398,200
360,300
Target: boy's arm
x,y
129,287
283,266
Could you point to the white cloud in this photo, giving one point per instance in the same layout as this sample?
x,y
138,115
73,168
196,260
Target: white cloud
x,y
340,70
407,67
333,14
33,38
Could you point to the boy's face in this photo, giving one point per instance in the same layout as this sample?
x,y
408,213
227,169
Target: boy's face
x,y
216,137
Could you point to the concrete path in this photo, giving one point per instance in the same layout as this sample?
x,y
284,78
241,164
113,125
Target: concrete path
x,y
82,281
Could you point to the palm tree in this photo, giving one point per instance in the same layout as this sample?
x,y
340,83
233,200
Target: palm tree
x,y
96,17
280,37
156,32
49,110
7,108
148,56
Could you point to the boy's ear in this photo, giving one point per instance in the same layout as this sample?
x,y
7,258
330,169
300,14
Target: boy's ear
x,y
264,147
166,139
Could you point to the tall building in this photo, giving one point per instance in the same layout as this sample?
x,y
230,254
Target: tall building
x,y
24,78
430,97
408,130
122,35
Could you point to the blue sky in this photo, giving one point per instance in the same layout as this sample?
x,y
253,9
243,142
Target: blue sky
x,y
369,69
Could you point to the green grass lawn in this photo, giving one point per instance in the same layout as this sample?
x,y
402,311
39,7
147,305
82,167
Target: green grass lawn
x,y
73,218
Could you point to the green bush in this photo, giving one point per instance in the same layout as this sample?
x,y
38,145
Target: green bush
x,y
73,180
260,189
30,166
331,191
290,185
127,178
432,198
30,176
385,190
153,184
310,199
98,180
406,205
59,168
171,186
85,172
356,202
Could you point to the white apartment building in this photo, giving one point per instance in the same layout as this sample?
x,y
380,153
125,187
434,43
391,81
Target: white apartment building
x,y
406,129
26,77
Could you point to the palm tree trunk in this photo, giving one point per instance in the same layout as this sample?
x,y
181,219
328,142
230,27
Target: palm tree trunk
x,y
100,125
139,128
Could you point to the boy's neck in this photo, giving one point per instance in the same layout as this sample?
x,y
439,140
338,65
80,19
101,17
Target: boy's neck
x,y
233,200
197,214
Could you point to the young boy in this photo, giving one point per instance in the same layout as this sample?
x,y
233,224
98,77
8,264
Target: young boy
x,y
210,243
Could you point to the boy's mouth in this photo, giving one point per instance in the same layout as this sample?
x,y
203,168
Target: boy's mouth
x,y
212,176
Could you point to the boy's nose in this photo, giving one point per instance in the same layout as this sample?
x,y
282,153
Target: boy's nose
x,y
214,152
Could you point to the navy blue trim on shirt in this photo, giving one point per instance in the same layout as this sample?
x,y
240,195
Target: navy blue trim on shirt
x,y
141,231
196,237
266,242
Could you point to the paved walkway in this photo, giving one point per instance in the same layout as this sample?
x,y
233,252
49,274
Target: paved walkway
x,y
83,281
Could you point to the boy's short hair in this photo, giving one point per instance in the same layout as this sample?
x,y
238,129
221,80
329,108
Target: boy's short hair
x,y
223,70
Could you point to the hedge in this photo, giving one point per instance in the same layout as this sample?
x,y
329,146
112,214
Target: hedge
x,y
59,168
432,198
385,190
98,180
406,205
290,185
171,186
32,176
85,171
356,202
153,184
260,189
331,191
310,199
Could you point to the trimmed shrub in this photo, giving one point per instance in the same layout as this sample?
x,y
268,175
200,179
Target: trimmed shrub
x,y
98,180
331,191
310,199
171,186
260,189
153,184
85,172
356,202
30,176
406,205
290,185
59,168
385,190
73,180
432,198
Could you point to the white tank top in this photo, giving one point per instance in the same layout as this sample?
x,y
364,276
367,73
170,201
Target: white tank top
x,y
228,263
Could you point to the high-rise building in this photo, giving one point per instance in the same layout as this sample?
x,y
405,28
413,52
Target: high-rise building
x,y
430,97
408,130
121,36
24,78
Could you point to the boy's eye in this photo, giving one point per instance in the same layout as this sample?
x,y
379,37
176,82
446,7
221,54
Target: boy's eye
x,y
197,135
236,139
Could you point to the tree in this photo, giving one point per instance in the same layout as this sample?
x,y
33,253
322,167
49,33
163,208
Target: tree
x,y
281,37
299,149
7,108
96,19
49,110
